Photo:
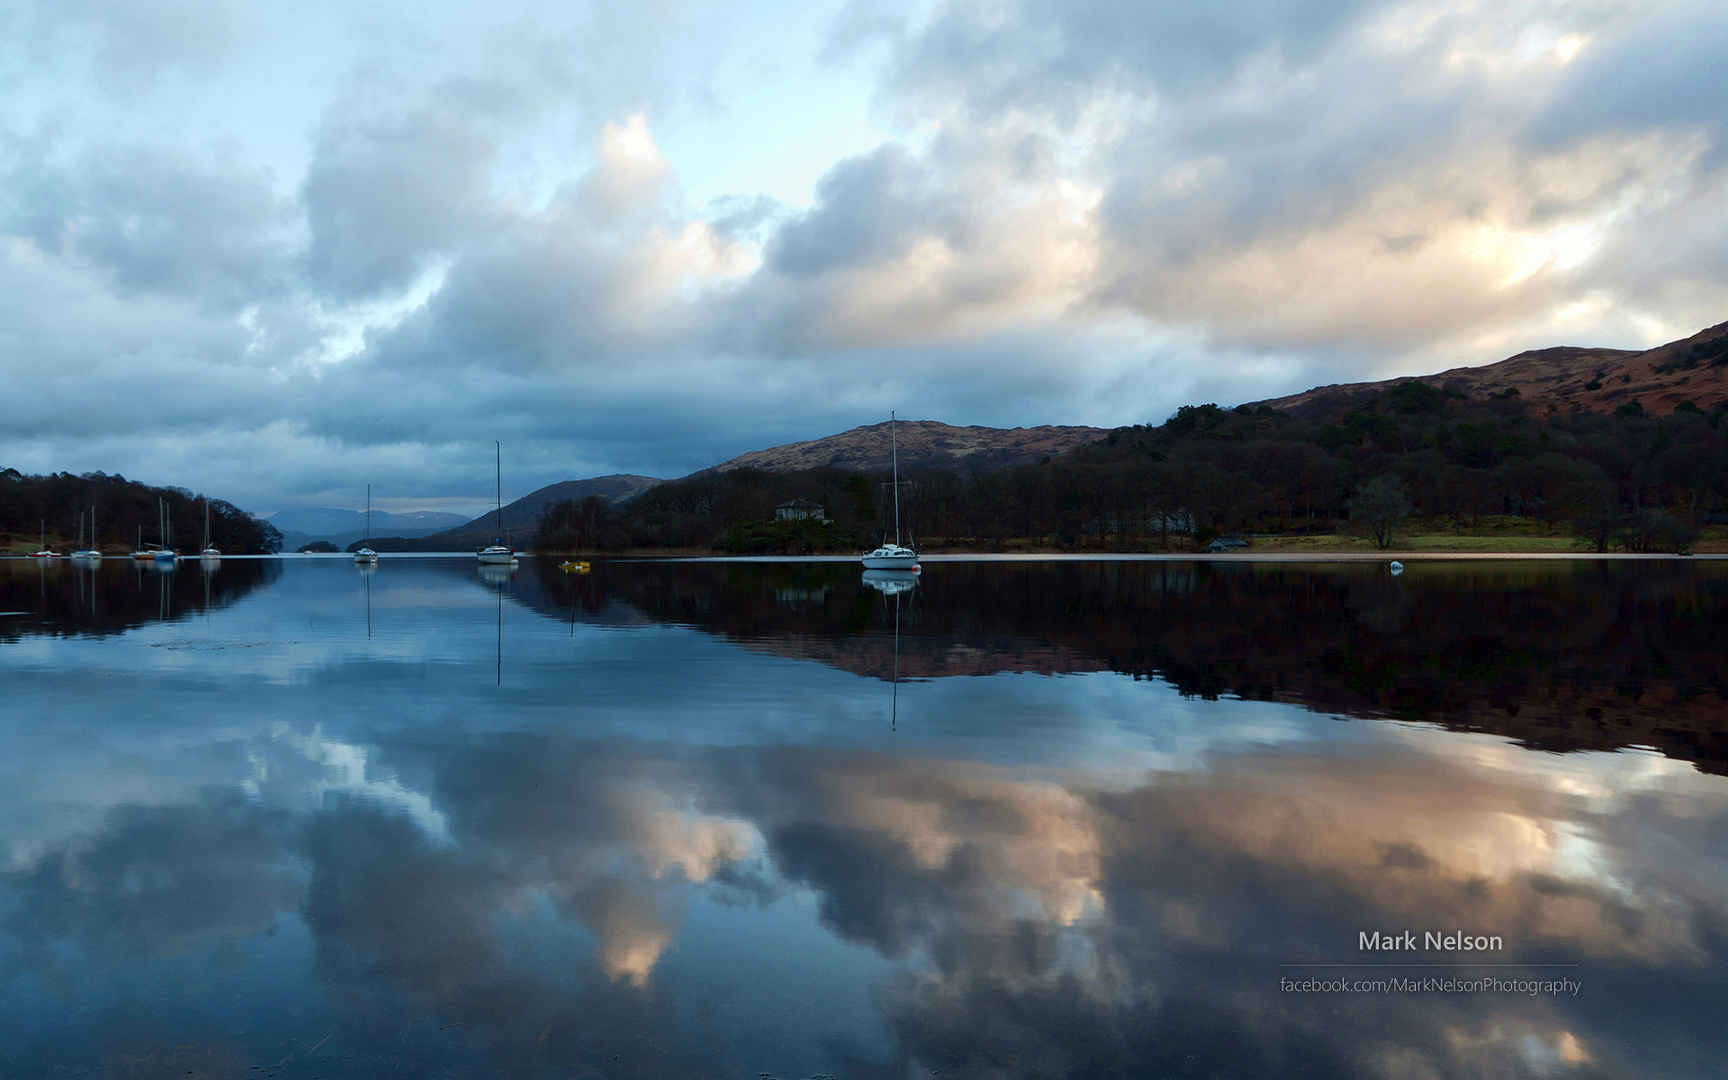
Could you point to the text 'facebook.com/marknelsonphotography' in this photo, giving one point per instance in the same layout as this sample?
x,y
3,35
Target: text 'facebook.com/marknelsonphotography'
x,y
1439,962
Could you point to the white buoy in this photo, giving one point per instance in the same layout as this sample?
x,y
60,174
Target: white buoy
x,y
1397,568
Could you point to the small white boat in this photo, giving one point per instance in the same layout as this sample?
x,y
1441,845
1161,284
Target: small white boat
x,y
91,553
893,556
44,552
365,555
499,553
211,552
164,553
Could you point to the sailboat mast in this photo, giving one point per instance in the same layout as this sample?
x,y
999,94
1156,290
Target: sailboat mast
x,y
894,443
368,513
498,476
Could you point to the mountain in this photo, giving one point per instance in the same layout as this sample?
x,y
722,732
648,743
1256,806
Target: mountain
x,y
1568,378
522,517
922,443
325,520
342,527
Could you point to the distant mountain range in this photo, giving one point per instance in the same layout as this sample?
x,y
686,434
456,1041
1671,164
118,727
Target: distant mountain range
x,y
326,520
1567,377
922,443
342,527
522,517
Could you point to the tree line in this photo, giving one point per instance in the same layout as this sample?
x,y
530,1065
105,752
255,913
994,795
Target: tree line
x,y
126,513
1375,463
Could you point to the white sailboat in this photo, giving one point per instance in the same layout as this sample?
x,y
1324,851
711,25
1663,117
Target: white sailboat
x,y
498,553
893,556
43,552
210,552
366,555
165,553
90,552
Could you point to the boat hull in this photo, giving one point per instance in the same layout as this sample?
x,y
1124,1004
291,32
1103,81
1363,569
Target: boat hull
x,y
904,561
496,555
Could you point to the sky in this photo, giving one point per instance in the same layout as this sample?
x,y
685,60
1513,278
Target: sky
x,y
279,252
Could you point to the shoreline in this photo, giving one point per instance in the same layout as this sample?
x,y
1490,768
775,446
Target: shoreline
x,y
1268,555
1159,556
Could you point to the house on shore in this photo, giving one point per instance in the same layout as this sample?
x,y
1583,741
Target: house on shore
x,y
800,510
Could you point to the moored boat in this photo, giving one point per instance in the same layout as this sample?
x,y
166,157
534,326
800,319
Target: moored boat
x,y
164,553
91,552
893,556
211,552
365,556
44,552
498,553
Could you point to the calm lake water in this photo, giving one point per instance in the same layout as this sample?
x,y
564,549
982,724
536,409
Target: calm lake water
x,y
1057,818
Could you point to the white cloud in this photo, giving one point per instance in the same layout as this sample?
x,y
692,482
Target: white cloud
x,y
459,222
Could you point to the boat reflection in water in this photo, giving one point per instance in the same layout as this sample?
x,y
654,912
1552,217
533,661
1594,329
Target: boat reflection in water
x,y
498,575
893,583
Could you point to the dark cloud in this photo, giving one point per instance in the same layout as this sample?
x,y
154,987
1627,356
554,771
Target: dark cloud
x,y
155,221
1655,71
741,217
388,189
1044,56
869,209
132,46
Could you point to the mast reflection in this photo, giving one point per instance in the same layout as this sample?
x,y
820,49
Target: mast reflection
x,y
893,583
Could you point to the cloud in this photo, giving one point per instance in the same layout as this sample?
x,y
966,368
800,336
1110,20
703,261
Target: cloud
x,y
1073,213
154,221
1048,57
388,189
132,46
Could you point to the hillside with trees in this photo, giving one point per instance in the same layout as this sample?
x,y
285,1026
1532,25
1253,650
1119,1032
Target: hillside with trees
x,y
1375,463
125,511
1567,379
